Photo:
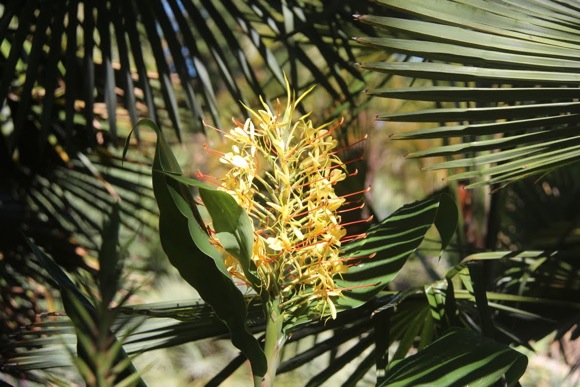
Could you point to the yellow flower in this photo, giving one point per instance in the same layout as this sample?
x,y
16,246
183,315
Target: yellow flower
x,y
282,171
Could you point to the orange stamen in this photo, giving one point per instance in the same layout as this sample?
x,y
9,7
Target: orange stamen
x,y
367,220
212,127
365,137
330,131
351,209
212,151
208,178
357,192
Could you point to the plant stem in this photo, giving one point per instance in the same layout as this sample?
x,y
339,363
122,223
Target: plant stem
x,y
275,339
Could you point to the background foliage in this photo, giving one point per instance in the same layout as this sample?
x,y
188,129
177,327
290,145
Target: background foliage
x,y
496,82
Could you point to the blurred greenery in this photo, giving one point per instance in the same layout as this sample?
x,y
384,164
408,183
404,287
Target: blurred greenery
x,y
482,94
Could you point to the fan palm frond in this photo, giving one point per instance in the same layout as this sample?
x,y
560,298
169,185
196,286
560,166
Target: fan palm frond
x,y
100,358
77,75
199,50
504,76
414,318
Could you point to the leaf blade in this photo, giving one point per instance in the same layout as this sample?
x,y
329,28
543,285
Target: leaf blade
x,y
459,357
187,246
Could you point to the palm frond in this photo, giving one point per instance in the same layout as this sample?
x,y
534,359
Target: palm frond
x,y
200,50
359,333
445,362
539,216
60,205
77,75
200,321
504,76
100,358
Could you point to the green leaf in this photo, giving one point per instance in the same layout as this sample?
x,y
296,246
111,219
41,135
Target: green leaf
x,y
477,56
109,257
232,224
413,329
494,113
186,243
83,315
382,253
483,94
460,357
441,71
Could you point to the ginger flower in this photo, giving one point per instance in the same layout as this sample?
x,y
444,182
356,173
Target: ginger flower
x,y
282,172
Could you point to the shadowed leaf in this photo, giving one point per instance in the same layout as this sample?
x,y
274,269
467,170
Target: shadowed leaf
x,y
460,357
186,243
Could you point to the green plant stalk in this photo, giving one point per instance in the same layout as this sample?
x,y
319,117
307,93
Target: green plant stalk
x,y
275,339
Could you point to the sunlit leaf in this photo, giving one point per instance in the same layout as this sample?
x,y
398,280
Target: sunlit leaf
x,y
232,224
382,253
505,75
185,241
460,357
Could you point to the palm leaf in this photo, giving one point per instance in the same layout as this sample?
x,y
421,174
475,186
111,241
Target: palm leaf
x,y
191,40
459,357
170,324
510,81
183,236
520,312
539,214
100,357
390,244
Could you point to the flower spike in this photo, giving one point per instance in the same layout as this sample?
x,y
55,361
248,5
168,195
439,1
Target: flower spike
x,y
282,171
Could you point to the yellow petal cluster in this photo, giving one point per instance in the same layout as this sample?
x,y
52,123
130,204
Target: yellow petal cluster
x,y
282,171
